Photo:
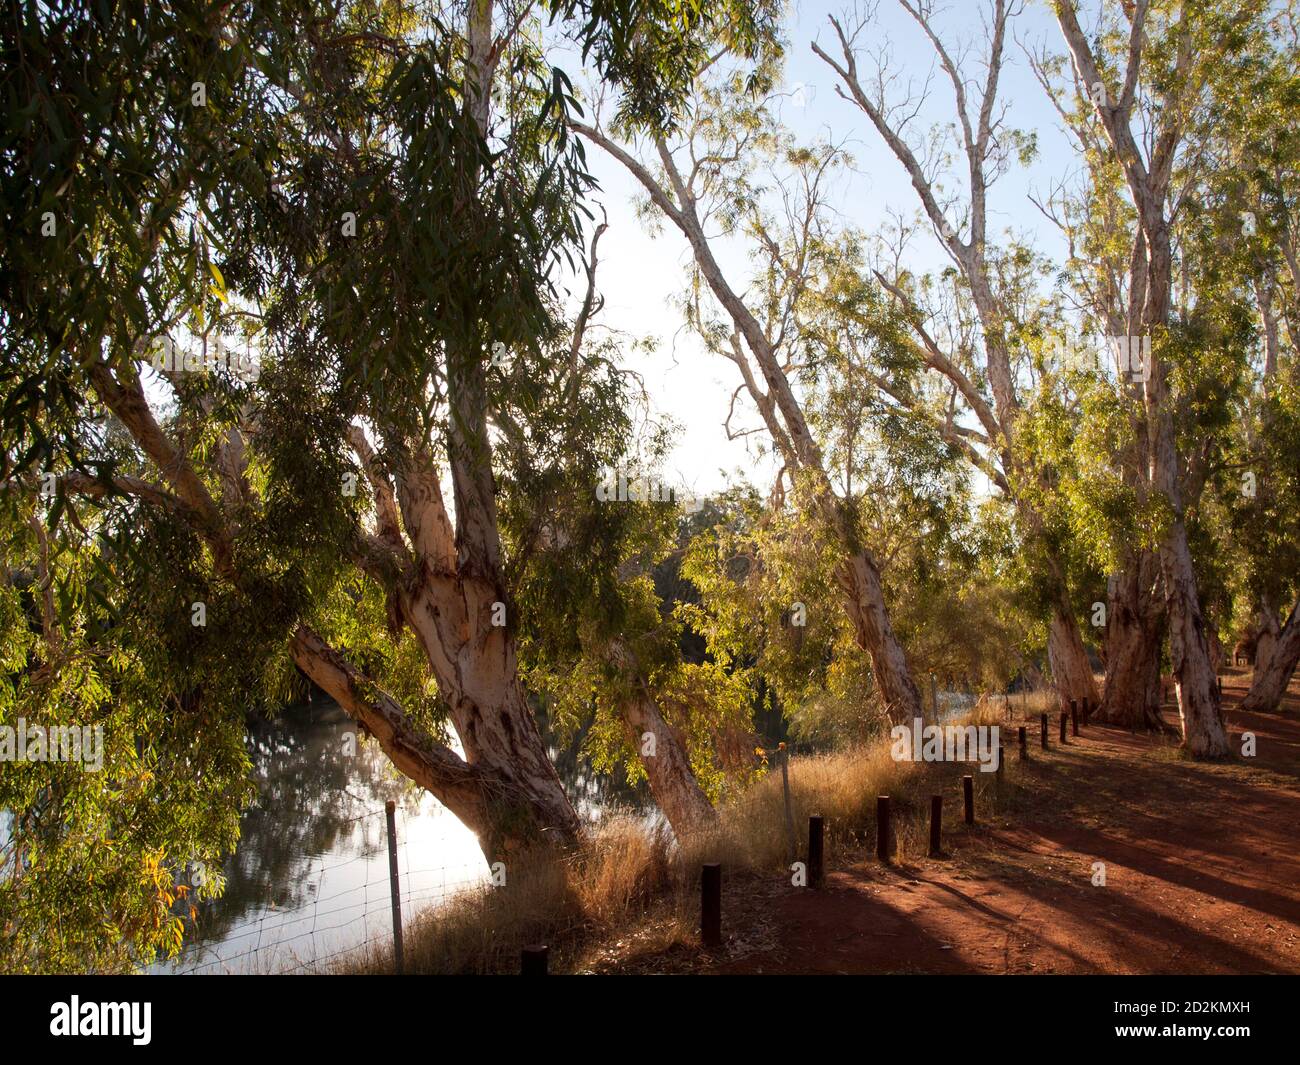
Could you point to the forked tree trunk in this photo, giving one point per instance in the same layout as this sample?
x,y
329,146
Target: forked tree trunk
x,y
1068,658
1151,268
508,812
1270,683
1134,639
452,608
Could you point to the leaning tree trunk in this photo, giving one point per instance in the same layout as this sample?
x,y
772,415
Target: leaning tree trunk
x,y
1068,658
1134,639
864,600
455,606
667,767
1270,683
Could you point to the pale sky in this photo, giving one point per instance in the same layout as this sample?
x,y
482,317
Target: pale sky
x,y
639,274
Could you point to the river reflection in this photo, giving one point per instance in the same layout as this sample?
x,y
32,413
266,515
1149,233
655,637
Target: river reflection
x,y
309,879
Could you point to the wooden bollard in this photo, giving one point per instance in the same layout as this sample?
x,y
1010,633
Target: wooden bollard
x,y
882,828
1087,709
399,961
1064,716
936,825
816,852
533,960
711,904
1023,734
968,796
1042,729
1074,719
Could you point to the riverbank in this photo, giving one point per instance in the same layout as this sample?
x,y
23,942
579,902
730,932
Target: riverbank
x,y
1111,854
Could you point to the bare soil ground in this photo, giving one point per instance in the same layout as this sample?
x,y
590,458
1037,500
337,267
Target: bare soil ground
x,y
1202,872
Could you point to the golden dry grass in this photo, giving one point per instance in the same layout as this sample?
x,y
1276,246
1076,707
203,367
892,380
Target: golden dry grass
x,y
631,878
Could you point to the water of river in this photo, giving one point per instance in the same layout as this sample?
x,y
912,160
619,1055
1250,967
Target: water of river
x,y
309,879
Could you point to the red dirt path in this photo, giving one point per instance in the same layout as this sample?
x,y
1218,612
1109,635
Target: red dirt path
x,y
1202,873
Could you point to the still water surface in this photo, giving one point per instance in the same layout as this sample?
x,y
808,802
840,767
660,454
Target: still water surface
x,y
309,879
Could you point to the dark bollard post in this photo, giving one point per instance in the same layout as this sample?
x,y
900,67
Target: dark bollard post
x,y
711,904
816,854
390,808
968,795
1042,722
936,825
882,828
1064,715
1087,709
532,960
1023,734
1219,681
1074,719
1002,760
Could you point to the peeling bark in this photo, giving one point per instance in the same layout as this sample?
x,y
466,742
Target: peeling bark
x,y
1270,681
1134,640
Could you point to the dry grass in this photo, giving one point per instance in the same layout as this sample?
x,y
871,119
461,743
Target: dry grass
x,y
630,880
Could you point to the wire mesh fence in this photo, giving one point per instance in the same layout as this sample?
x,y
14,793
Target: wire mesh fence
x,y
350,910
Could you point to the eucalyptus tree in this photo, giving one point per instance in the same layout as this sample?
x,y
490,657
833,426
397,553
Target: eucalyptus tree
x,y
1250,250
1148,76
995,287
701,177
334,186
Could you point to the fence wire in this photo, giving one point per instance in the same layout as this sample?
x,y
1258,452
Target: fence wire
x,y
332,925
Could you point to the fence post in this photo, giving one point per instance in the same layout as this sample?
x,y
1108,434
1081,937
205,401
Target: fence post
x,y
789,810
390,808
711,904
1023,734
968,794
816,853
1074,719
1064,715
1042,721
936,825
882,828
533,960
